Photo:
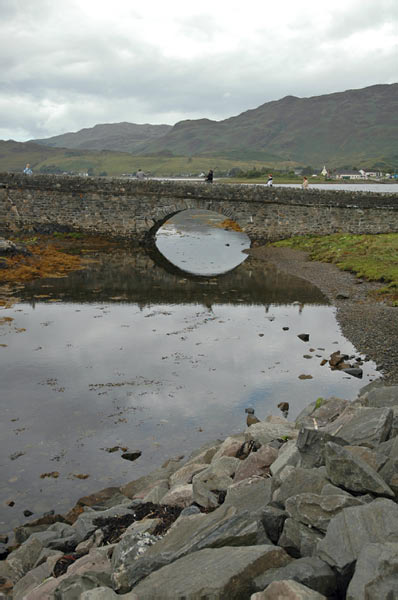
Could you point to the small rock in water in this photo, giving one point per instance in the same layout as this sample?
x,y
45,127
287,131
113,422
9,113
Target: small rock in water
x,y
303,376
3,539
131,455
355,372
27,513
53,474
285,328
304,336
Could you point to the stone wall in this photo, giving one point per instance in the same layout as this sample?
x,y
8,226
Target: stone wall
x,y
133,209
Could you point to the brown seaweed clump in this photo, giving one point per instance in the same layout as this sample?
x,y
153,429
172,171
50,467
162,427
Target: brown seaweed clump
x,y
45,261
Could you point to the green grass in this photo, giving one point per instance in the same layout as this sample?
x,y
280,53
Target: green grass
x,y
373,257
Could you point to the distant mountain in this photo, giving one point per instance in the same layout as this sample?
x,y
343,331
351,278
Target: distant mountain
x,y
351,128
119,137
355,126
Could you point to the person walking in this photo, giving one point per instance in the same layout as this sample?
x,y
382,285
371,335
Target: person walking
x,y
305,183
27,170
270,180
209,176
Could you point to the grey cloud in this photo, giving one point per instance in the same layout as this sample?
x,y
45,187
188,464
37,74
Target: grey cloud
x,y
59,75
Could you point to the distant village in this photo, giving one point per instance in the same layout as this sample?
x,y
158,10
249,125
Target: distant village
x,y
360,174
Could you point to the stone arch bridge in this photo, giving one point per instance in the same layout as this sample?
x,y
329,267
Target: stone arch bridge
x,y
134,209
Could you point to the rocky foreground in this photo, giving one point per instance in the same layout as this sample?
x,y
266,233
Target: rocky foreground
x,y
283,510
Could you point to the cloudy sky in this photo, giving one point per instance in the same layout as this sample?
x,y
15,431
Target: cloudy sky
x,y
71,64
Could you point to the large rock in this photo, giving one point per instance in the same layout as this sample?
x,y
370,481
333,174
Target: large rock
x,y
250,494
311,445
265,432
376,460
355,527
104,593
230,446
147,482
381,396
288,455
298,539
31,580
74,586
180,495
287,590
299,481
361,426
324,411
24,558
317,510
213,573
87,522
257,463
349,472
207,485
389,473
185,474
310,571
376,573
273,519
223,527
102,500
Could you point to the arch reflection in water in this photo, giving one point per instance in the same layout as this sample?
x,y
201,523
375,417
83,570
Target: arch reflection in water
x,y
197,242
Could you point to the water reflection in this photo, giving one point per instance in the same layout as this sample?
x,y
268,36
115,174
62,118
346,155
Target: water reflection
x,y
195,242
128,354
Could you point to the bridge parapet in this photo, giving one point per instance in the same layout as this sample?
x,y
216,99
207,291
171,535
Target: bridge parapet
x,y
130,208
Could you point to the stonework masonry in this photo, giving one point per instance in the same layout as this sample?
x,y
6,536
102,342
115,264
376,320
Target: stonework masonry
x,y
133,209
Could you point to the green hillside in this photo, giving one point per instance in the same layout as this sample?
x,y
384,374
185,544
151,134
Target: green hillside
x,y
43,159
356,127
120,137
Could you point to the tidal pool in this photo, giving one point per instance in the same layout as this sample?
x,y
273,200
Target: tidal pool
x,y
128,354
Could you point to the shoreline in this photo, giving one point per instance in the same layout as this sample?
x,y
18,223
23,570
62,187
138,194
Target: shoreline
x,y
370,325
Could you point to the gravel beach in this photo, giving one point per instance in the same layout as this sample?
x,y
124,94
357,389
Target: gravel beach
x,y
371,326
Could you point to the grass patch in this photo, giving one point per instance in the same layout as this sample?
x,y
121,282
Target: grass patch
x,y
373,257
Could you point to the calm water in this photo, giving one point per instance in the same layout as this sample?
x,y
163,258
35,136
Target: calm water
x,y
133,352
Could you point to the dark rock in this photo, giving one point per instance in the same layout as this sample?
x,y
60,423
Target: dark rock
x,y
381,396
316,510
365,426
273,519
341,296
356,527
4,551
131,455
27,513
3,539
304,336
311,445
298,539
213,573
354,371
351,473
324,411
309,570
103,499
375,573
74,586
300,481
389,472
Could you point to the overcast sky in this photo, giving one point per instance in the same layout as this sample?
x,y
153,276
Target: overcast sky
x,y
74,63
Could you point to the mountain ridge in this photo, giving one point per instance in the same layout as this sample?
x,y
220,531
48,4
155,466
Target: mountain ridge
x,y
352,127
